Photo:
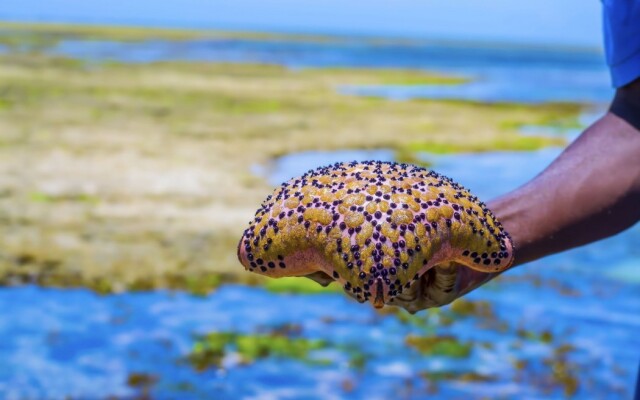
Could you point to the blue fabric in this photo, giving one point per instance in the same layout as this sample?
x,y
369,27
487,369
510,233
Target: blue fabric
x,y
622,39
637,396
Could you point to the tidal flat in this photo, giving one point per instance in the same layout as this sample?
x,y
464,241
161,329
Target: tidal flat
x,y
121,176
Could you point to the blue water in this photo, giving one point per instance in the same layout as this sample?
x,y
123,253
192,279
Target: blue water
x,y
496,73
486,174
75,343
58,343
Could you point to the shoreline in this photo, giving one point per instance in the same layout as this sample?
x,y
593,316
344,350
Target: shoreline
x,y
187,33
139,175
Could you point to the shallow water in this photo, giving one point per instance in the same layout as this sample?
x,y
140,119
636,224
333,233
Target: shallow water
x,y
485,174
59,343
498,74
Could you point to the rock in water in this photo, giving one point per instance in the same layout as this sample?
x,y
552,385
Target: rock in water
x,y
374,227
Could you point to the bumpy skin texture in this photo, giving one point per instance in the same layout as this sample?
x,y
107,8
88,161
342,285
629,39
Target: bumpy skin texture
x,y
377,228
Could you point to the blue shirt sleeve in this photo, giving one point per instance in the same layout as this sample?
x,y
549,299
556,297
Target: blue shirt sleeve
x,y
621,23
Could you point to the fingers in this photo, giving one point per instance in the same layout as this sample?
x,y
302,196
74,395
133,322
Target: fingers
x,y
440,286
320,277
435,288
441,283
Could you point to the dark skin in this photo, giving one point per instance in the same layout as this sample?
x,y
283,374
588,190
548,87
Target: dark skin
x,y
590,192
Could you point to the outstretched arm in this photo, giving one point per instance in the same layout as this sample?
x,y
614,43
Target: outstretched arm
x,y
591,191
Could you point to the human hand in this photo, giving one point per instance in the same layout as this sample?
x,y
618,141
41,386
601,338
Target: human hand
x,y
441,285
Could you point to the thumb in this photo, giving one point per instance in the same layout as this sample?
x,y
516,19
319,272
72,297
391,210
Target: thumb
x,y
435,288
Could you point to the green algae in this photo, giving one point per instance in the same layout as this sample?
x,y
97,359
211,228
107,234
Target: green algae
x,y
551,374
384,76
141,380
295,285
71,197
446,346
209,350
434,378
462,376
357,360
511,142
544,336
142,383
561,371
470,308
409,156
429,320
40,35
559,121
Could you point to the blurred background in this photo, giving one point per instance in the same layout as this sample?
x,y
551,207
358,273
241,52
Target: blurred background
x,y
138,138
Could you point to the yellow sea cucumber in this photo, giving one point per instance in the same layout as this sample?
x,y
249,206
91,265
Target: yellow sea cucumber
x,y
373,226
